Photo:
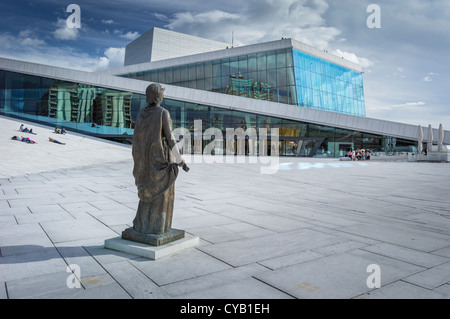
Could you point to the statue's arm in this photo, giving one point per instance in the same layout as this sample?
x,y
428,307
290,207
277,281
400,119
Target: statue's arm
x,y
167,131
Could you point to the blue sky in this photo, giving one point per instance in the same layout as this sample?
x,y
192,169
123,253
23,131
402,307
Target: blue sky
x,y
406,61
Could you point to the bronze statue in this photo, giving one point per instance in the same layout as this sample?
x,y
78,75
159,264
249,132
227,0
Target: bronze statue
x,y
156,160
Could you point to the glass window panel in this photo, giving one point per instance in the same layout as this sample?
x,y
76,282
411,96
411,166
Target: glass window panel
x,y
184,73
169,77
289,58
208,84
262,61
192,72
316,98
295,58
272,77
200,84
308,79
200,68
309,63
32,82
301,60
162,76
292,93
243,64
283,95
321,84
234,66
299,94
303,78
320,67
274,95
310,97
217,84
262,76
176,74
271,60
252,65
225,83
146,76
282,77
314,80
216,68
329,82
208,69
225,67
281,59
348,77
313,65
253,76
290,76
318,63
153,76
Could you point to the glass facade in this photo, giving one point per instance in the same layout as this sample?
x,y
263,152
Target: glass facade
x,y
77,106
264,76
327,86
284,76
112,113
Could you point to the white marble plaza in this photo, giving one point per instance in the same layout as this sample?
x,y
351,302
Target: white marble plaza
x,y
310,230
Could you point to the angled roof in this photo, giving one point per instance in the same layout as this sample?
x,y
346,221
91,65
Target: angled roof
x,y
232,52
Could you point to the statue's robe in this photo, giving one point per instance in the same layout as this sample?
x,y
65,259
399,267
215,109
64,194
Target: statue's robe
x,y
154,170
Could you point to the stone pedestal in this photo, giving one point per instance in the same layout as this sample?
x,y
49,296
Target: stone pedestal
x,y
149,251
152,239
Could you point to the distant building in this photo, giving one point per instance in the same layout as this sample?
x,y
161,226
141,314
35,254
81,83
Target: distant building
x,y
314,99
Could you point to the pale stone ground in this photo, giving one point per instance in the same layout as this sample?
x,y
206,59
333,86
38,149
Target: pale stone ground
x,y
310,230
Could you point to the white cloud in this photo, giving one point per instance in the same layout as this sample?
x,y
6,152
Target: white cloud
x,y
63,32
27,48
24,41
364,62
430,76
259,21
108,21
410,104
115,57
215,16
161,17
27,38
103,63
129,35
25,33
400,73
32,42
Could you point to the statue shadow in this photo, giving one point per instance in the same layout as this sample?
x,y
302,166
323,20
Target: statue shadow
x,y
18,254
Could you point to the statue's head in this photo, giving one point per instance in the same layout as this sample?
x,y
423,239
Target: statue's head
x,y
154,94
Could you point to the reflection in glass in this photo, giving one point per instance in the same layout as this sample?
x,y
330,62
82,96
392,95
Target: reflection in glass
x,y
108,112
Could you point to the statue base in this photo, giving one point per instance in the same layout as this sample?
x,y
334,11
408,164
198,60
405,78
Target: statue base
x,y
152,239
148,251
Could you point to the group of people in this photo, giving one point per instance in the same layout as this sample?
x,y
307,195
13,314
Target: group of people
x,y
60,131
23,139
359,154
24,129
